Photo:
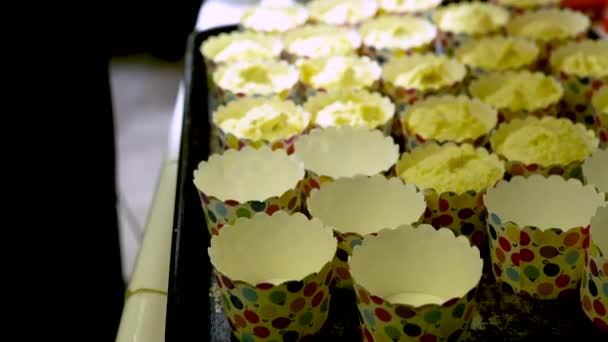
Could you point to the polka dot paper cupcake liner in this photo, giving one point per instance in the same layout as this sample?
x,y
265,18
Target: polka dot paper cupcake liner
x,y
381,55
227,141
447,42
223,96
594,285
506,115
576,104
403,98
600,115
519,7
437,312
540,253
516,168
267,297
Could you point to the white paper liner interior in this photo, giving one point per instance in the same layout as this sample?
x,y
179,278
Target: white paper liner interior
x,y
599,229
595,170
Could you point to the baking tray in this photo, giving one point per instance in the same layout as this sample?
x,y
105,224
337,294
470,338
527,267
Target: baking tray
x,y
194,313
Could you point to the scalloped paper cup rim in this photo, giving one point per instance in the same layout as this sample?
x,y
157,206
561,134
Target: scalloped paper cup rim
x,y
494,80
239,107
396,66
318,10
503,131
483,111
248,174
272,249
526,47
346,151
420,153
587,47
365,205
543,202
576,22
372,67
213,45
299,15
416,261
322,30
502,14
595,170
599,228
426,30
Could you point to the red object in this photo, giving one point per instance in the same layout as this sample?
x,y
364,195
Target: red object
x,y
599,9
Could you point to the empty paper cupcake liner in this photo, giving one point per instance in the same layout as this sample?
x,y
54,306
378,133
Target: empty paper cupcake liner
x,y
387,318
594,284
542,261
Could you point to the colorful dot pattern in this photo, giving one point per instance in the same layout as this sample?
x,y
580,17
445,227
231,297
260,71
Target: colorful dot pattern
x,y
220,213
447,42
594,287
384,321
229,141
601,129
385,54
223,96
576,102
307,91
292,311
539,263
464,214
517,168
346,243
506,115
313,181
402,97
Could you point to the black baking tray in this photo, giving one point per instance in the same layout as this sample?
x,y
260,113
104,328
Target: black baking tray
x,y
194,313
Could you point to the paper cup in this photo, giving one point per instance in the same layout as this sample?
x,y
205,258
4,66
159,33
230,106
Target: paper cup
x,y
274,274
415,7
497,53
274,18
594,285
311,41
594,171
351,107
258,122
390,36
341,12
415,284
255,79
343,152
459,22
539,229
318,75
241,183
570,64
546,146
450,204
549,28
440,119
518,94
360,206
600,106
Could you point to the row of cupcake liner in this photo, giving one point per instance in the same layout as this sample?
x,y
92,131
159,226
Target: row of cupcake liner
x,y
538,253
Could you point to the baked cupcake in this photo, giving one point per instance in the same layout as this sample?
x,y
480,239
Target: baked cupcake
x,y
337,72
254,78
518,94
600,105
454,179
390,36
448,118
418,7
546,146
582,67
549,28
313,41
409,79
497,53
274,18
355,108
260,121
341,12
461,21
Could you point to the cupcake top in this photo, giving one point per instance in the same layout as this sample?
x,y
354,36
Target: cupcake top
x,y
471,18
450,168
274,19
600,103
340,12
241,46
397,32
527,4
497,53
256,77
546,141
339,72
357,108
423,71
261,119
517,91
549,24
584,58
407,6
321,40
450,118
